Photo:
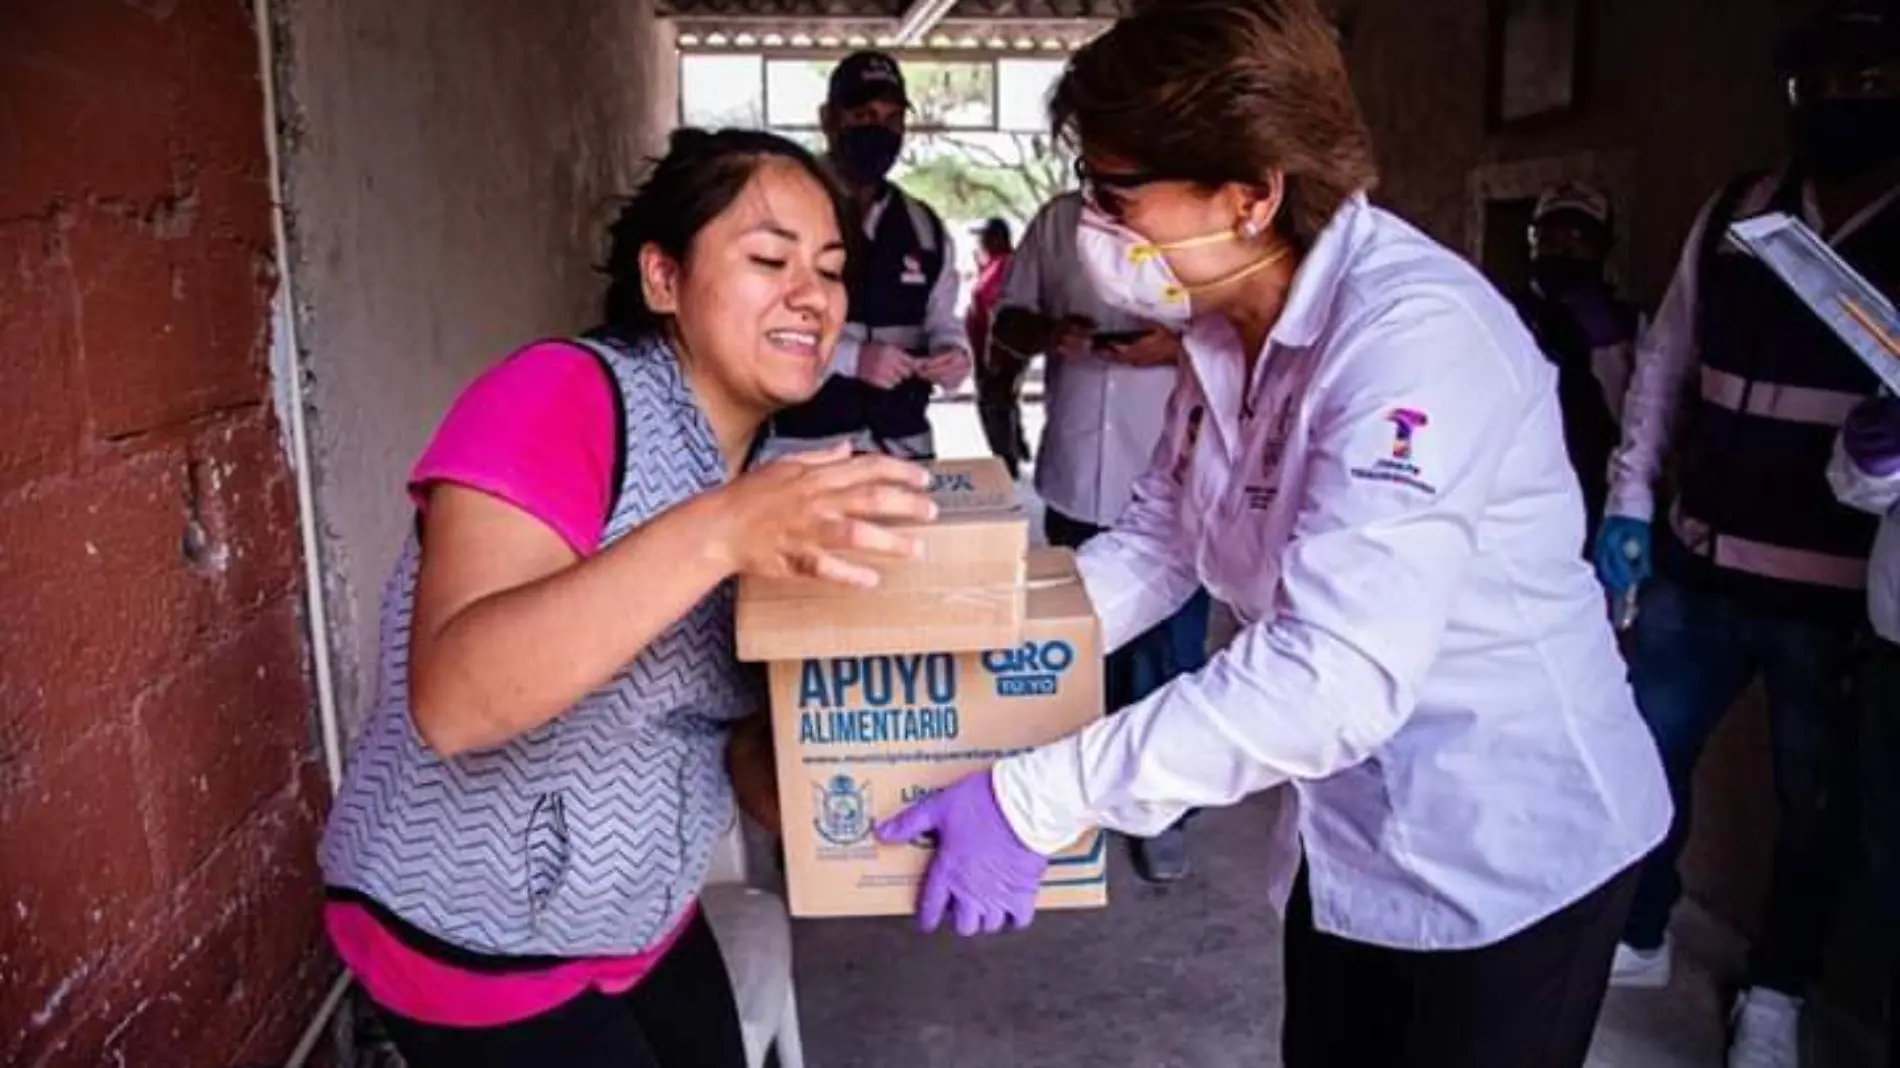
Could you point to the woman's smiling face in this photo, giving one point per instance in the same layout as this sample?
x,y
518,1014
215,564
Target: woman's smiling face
x,y
760,299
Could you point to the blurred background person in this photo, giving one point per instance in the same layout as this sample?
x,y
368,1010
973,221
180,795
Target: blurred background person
x,y
903,340
1865,472
999,372
1582,326
1760,570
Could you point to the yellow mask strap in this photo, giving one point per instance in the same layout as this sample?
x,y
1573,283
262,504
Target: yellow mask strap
x,y
1148,250
1178,291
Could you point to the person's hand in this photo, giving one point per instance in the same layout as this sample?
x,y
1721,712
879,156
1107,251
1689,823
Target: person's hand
x,y
1156,348
750,763
1074,338
1622,554
1871,436
795,515
884,365
982,877
946,367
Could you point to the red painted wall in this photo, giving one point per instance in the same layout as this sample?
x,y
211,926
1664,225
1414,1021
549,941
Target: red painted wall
x,y
160,790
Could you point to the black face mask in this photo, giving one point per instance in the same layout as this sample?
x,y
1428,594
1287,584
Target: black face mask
x,y
1558,275
1844,138
865,154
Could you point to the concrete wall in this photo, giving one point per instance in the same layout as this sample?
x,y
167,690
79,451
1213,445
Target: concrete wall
x,y
450,165
1673,98
159,790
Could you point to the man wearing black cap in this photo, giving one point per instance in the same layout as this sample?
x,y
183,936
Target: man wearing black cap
x,y
1758,569
902,335
1584,328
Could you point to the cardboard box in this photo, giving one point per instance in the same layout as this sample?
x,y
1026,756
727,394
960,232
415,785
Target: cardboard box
x,y
858,738
965,592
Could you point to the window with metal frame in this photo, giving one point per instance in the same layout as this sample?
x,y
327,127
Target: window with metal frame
x,y
950,92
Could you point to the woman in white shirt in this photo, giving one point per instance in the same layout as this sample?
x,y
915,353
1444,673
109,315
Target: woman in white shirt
x,y
1366,460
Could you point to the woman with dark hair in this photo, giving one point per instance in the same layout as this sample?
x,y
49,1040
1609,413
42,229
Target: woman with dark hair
x,y
514,858
1366,460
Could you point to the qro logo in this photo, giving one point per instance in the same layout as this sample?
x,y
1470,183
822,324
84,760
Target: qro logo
x,y
1032,669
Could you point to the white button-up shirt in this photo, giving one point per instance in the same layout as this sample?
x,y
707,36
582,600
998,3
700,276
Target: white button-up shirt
x,y
1104,418
1426,665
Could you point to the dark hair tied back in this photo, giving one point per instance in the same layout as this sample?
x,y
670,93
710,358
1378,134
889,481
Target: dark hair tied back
x,y
701,174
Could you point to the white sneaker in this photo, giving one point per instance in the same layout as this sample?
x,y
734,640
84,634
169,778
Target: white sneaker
x,y
1641,969
1766,1030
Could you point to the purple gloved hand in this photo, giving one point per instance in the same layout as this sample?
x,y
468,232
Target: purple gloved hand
x,y
982,875
1871,436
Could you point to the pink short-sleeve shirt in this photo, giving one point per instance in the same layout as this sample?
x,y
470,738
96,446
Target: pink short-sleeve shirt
x,y
537,431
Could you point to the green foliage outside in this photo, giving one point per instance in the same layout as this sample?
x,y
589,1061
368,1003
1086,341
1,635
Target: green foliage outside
x,y
955,157
975,176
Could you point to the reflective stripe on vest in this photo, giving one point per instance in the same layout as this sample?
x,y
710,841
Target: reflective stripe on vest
x,y
1774,400
1774,384
1768,561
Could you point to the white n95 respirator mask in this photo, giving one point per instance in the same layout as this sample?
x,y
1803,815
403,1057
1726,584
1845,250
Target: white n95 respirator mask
x,y
1131,273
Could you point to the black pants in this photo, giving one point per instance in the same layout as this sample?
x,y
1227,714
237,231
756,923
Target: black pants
x,y
1692,652
999,408
1530,1001
680,1016
1877,691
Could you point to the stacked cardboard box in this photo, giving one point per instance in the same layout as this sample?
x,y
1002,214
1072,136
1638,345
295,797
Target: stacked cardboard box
x,y
980,650
965,592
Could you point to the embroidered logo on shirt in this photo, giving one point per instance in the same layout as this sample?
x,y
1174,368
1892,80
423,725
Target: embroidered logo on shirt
x,y
1398,467
913,272
1405,422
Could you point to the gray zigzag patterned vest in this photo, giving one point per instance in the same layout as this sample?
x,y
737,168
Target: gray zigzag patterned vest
x,y
591,834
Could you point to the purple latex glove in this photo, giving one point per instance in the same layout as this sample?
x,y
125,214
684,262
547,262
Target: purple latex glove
x,y
1871,436
982,876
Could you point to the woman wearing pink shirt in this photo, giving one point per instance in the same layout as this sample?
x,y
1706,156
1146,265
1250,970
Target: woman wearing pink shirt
x,y
999,373
514,859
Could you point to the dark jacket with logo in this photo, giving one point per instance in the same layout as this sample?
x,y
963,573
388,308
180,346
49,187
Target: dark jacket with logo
x,y
890,284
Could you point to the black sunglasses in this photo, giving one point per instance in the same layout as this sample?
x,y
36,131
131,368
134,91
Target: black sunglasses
x,y
1107,193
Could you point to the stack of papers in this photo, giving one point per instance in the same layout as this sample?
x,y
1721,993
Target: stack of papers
x,y
1861,315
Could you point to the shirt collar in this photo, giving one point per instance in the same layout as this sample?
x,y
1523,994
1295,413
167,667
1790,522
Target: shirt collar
x,y
1211,340
1309,302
